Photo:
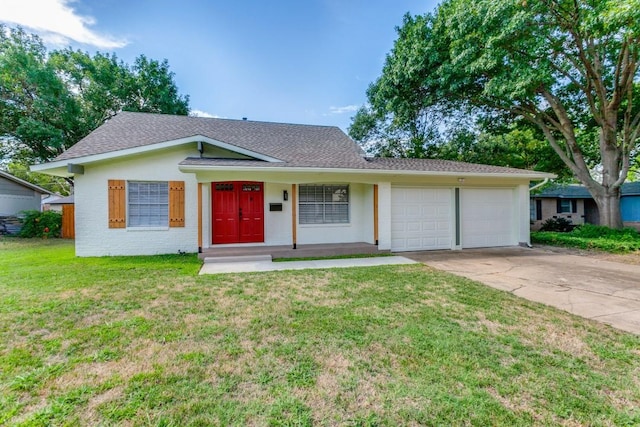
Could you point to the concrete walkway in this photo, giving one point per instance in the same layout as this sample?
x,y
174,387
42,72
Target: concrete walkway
x,y
593,288
265,264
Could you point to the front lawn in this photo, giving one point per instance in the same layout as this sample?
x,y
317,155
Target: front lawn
x,y
145,341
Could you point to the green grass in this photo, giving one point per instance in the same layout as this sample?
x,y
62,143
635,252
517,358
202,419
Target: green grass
x,y
145,341
592,237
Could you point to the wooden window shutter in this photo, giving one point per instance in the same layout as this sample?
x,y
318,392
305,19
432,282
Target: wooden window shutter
x,y
558,206
117,204
574,206
176,203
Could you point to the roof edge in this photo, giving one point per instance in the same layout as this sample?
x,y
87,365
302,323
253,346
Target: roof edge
x,y
529,176
151,147
20,181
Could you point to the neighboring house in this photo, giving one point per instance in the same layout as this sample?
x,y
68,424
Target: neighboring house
x,y
17,195
574,203
56,203
151,183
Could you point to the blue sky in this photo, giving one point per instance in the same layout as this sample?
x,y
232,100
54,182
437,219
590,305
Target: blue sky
x,y
305,61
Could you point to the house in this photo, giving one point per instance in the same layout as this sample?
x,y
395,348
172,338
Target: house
x,y
574,203
17,195
56,203
151,183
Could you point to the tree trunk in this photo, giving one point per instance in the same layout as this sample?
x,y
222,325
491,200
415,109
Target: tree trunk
x,y
609,208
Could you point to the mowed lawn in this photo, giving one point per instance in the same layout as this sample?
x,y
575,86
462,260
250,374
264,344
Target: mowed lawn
x,y
145,341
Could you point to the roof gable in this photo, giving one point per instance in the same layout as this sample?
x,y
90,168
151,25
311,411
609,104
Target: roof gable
x,y
261,140
24,183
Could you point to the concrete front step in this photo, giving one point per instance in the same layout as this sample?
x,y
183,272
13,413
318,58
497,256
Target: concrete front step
x,y
240,258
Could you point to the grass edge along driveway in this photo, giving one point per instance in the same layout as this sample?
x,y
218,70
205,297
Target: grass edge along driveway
x,y
145,341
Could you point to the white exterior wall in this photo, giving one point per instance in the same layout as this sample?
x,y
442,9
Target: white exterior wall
x,y
93,235
277,225
522,215
359,228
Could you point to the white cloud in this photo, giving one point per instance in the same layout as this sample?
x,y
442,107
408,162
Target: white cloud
x,y
200,113
56,22
342,110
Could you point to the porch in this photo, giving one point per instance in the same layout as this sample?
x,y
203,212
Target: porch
x,y
287,251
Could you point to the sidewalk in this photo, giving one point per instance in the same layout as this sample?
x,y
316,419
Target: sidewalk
x,y
268,265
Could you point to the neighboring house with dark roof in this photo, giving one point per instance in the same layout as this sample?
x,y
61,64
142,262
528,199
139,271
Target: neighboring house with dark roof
x,y
575,203
56,204
151,183
17,195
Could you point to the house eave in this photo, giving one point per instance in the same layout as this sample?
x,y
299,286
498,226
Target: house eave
x,y
24,183
59,167
382,172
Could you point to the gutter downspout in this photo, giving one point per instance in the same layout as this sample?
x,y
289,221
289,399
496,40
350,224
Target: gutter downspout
x,y
539,185
527,244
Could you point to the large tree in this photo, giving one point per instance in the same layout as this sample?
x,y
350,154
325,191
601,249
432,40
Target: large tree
x,y
567,67
51,100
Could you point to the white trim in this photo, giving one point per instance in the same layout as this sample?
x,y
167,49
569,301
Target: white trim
x,y
203,168
152,147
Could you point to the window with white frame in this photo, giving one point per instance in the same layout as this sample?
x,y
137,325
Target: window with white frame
x,y
324,204
567,206
148,204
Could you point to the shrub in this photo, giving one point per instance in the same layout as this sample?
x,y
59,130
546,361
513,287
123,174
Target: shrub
x,y
562,225
600,231
41,224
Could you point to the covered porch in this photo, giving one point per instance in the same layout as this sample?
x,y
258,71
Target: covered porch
x,y
287,251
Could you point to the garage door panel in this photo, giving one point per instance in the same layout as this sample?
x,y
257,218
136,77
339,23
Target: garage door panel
x,y
487,217
421,218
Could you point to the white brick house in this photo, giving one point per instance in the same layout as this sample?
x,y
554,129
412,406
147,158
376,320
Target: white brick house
x,y
152,183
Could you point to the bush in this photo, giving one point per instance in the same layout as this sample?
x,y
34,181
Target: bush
x,y
600,231
561,225
41,224
590,236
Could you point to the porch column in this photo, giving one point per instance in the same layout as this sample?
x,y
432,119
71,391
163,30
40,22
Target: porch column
x,y
294,211
199,217
384,215
375,213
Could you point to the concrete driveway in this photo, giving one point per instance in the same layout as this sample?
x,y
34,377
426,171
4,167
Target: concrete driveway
x,y
584,285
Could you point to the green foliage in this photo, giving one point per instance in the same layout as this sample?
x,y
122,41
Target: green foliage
x,y
561,225
590,231
51,100
558,66
41,224
590,236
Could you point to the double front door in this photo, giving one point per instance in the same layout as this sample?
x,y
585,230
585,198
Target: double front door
x,y
237,212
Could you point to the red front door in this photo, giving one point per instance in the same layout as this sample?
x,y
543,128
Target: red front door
x,y
238,212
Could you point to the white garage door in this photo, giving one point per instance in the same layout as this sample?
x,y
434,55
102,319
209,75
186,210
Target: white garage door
x,y
421,218
487,217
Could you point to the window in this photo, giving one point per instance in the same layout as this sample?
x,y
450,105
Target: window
x,y
324,204
148,204
535,210
567,206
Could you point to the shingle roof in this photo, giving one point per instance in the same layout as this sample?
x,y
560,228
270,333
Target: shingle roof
x,y
437,165
24,183
295,145
574,191
302,145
